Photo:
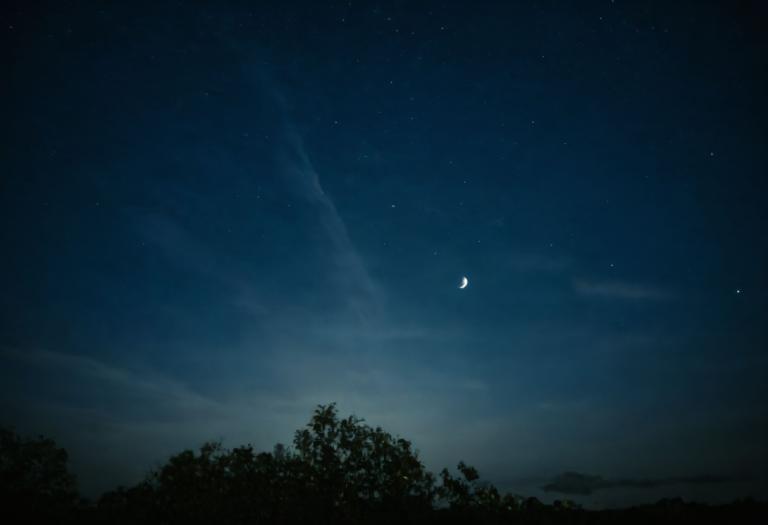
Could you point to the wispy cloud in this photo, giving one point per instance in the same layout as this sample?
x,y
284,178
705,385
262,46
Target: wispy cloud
x,y
620,290
190,253
351,273
149,383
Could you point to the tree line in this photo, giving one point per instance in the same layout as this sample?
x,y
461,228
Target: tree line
x,y
339,470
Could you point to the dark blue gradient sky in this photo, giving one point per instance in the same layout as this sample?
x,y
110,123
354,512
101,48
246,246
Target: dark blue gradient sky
x,y
214,218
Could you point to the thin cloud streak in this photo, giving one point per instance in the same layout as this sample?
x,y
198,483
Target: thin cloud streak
x,y
363,296
151,384
620,290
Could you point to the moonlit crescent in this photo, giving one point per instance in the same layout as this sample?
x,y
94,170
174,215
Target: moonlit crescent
x,y
464,283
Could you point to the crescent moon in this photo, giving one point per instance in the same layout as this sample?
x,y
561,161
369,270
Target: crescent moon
x,y
464,283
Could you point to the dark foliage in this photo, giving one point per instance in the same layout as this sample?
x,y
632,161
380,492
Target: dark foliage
x,y
34,477
338,471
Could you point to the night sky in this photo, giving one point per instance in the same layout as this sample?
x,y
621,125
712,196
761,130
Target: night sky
x,y
215,217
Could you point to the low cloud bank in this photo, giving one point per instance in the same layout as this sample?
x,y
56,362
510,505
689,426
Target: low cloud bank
x,y
584,484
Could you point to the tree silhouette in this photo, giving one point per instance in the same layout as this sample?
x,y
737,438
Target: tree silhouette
x,y
358,469
337,471
34,477
340,470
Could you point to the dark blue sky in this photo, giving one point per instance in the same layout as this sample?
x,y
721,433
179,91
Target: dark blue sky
x,y
214,218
